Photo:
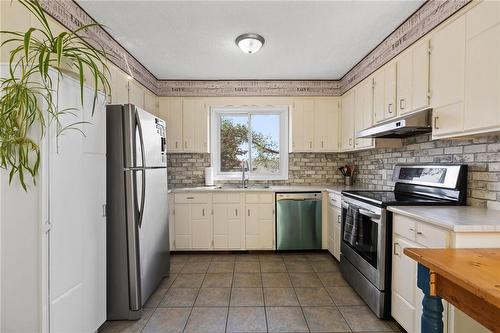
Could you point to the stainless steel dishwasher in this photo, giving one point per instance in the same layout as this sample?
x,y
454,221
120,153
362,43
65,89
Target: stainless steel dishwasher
x,y
298,221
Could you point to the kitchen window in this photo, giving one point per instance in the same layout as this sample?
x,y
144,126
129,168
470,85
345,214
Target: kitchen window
x,y
258,136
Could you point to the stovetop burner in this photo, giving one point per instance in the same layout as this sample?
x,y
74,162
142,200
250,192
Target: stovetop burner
x,y
393,198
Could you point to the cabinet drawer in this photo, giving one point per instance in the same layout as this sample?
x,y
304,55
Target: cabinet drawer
x,y
404,226
192,197
226,197
259,197
430,236
334,199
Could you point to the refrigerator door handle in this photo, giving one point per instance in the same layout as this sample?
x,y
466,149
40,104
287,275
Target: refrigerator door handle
x,y
143,158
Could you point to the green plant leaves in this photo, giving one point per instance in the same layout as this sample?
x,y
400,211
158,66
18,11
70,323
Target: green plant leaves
x,y
29,94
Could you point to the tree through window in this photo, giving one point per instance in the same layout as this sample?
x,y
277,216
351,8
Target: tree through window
x,y
256,137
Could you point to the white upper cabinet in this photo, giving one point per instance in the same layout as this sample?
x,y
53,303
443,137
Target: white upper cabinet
x,y
379,96
119,86
326,124
413,78
195,125
363,113
390,78
170,110
302,125
187,124
136,94
347,120
482,68
420,76
447,73
150,102
314,125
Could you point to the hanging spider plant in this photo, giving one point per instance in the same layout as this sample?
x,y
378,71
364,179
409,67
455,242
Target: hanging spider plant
x,y
28,93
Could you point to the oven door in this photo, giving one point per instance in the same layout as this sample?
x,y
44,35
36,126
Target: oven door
x,y
364,239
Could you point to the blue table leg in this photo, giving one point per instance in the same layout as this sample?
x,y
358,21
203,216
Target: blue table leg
x,y
432,307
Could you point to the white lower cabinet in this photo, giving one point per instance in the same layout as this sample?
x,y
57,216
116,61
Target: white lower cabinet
x,y
259,221
223,221
334,225
228,221
193,221
406,297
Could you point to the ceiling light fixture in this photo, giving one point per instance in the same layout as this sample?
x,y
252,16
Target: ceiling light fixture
x,y
250,43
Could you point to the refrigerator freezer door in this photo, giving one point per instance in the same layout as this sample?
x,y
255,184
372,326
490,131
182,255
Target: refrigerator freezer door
x,y
152,139
153,230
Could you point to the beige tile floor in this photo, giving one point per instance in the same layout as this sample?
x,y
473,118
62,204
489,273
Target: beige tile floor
x,y
216,293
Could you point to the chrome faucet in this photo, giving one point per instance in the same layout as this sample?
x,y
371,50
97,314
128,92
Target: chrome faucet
x,y
244,169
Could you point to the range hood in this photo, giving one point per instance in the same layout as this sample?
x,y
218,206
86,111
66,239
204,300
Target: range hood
x,y
417,122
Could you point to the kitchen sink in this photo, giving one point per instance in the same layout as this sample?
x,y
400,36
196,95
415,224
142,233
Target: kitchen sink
x,y
238,186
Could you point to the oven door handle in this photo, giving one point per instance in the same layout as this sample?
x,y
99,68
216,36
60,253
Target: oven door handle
x,y
369,214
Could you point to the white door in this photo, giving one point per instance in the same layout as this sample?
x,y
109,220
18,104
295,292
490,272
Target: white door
x,y
76,198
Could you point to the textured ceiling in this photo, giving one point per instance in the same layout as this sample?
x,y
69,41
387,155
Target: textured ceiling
x,y
194,40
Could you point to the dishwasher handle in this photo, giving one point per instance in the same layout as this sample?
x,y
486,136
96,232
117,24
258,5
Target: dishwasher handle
x,y
298,196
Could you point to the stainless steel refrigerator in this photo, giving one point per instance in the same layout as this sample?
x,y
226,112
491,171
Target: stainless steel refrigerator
x,y
137,209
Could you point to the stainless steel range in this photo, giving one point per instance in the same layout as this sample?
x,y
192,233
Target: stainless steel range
x,y
365,260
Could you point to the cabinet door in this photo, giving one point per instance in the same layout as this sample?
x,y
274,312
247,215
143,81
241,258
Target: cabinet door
x,y
150,104
170,110
195,125
182,227
482,81
390,109
347,120
302,125
379,95
363,112
332,216
259,226
447,73
326,125
119,86
201,221
404,281
337,236
136,94
420,76
227,226
404,82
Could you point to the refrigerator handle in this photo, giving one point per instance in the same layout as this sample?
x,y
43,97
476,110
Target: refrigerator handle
x,y
143,158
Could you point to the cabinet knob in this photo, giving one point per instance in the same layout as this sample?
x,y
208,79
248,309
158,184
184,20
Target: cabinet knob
x,y
203,212
389,107
176,144
249,212
236,211
321,144
310,144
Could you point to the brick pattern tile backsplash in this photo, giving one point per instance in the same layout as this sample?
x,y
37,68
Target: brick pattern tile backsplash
x,y
374,167
481,154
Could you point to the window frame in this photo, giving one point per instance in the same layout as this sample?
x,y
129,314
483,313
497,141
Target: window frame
x,y
215,116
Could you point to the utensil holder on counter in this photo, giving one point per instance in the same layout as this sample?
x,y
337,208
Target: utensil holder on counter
x,y
348,181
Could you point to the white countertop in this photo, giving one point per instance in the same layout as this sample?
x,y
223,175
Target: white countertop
x,y
278,188
454,218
